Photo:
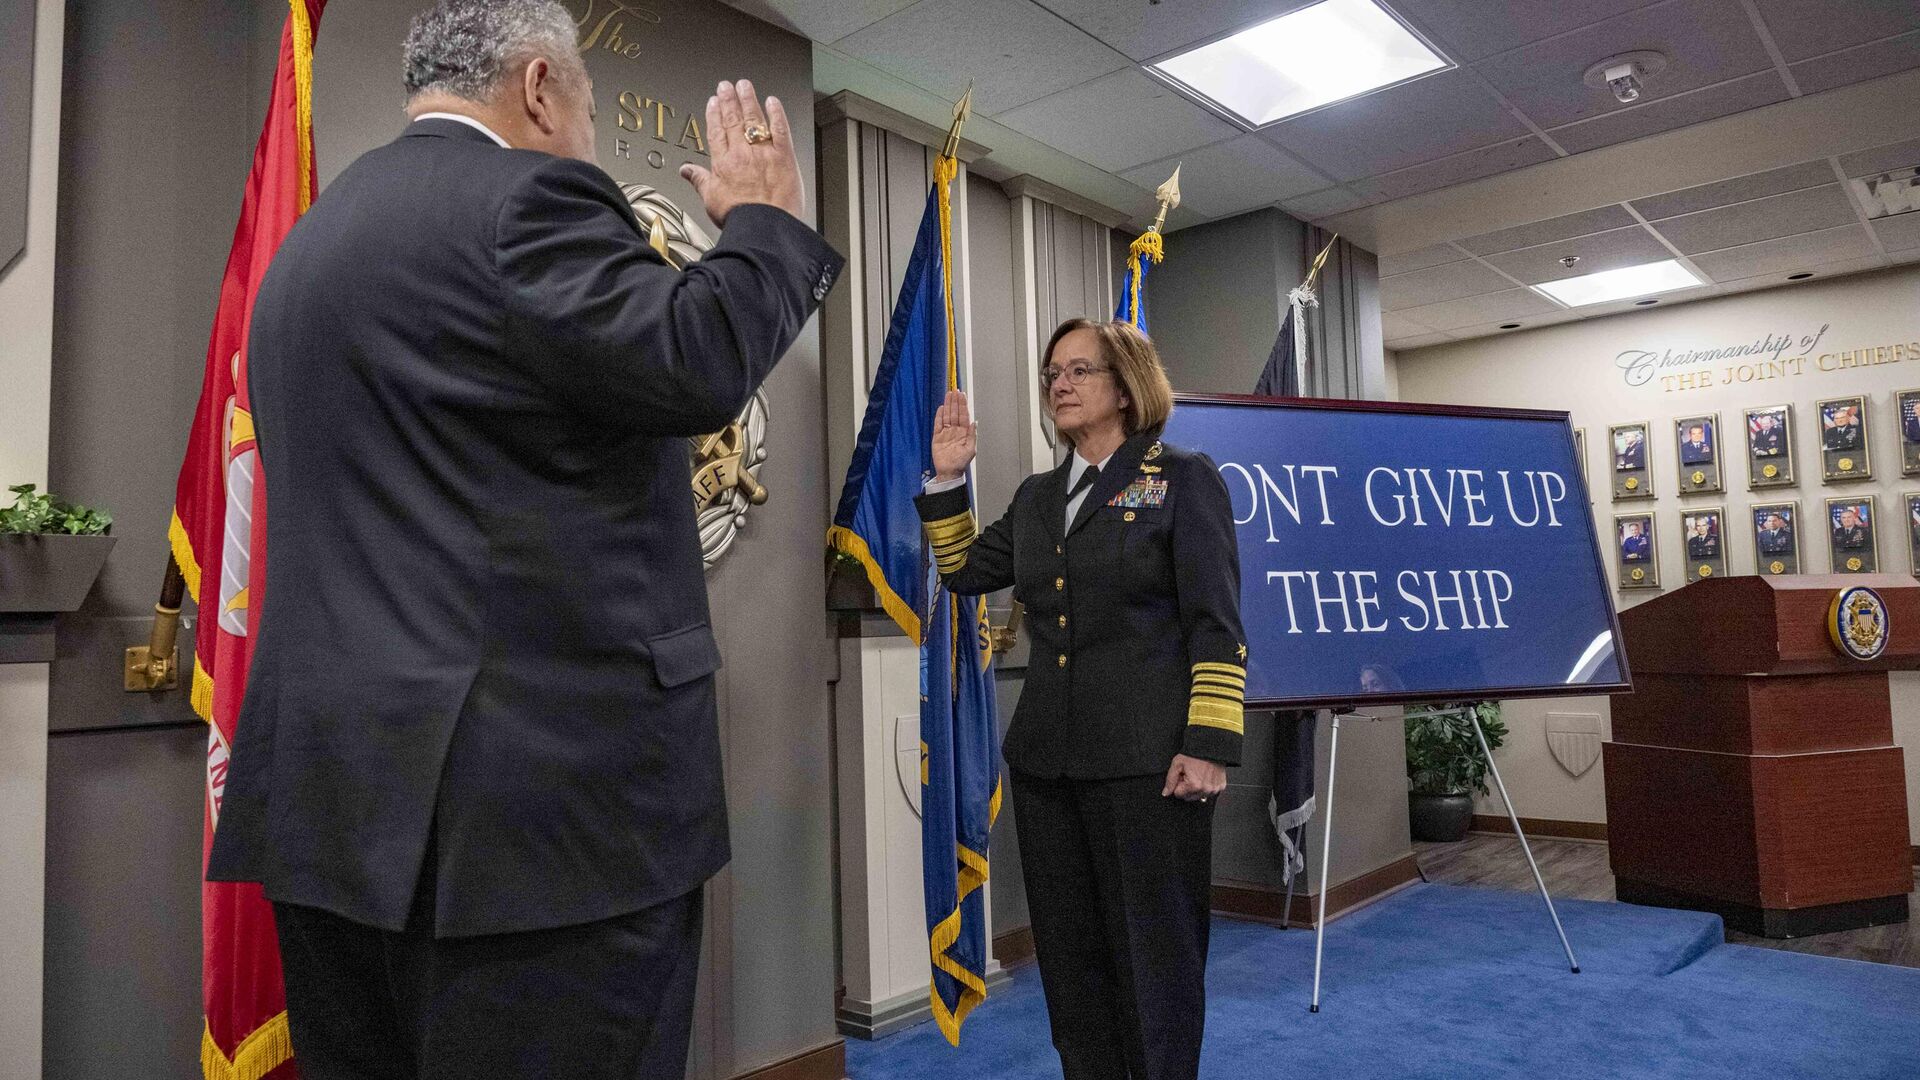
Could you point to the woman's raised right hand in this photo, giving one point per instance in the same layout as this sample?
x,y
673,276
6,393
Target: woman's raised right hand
x,y
953,431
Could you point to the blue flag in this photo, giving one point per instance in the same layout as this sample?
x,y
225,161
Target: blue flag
x,y
878,524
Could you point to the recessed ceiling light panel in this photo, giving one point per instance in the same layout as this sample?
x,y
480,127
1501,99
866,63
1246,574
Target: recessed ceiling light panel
x,y
1622,284
1331,51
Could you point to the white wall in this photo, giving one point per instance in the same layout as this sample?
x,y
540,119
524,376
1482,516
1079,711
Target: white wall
x,y
26,371
1577,367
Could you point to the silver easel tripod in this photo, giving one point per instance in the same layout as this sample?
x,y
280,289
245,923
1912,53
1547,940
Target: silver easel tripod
x,y
1326,835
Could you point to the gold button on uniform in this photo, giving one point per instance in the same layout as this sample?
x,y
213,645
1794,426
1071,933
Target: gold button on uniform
x,y
1059,583
1058,550
1063,659
1128,516
1063,622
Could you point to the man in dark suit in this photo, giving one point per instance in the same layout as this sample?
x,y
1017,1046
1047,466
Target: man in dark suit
x,y
478,767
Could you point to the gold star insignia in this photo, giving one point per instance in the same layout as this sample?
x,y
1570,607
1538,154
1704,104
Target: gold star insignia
x,y
1243,654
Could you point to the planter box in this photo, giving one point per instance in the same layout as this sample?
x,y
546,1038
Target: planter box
x,y
49,573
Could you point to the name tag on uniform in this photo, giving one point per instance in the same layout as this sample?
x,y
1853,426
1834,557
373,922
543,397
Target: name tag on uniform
x,y
1142,493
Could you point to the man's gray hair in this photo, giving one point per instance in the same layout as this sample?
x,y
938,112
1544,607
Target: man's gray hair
x,y
466,47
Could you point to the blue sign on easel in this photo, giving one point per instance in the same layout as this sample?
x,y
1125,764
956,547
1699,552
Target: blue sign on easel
x,y
1394,552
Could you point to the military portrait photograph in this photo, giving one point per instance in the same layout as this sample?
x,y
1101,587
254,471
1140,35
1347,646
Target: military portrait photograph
x,y
1845,444
1912,501
1696,441
1703,534
1636,551
1906,405
1769,445
1776,545
1629,449
1850,535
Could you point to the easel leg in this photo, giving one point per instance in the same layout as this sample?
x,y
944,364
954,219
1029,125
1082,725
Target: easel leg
x,y
1514,815
1326,860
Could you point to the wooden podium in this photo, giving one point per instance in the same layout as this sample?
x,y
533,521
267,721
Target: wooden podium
x,y
1752,771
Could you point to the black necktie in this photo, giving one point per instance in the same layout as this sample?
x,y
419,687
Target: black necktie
x,y
1086,481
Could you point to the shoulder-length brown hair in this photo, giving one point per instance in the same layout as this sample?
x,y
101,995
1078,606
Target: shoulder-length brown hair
x,y
1136,367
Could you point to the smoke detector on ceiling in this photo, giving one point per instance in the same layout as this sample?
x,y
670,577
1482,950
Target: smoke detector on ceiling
x,y
1625,75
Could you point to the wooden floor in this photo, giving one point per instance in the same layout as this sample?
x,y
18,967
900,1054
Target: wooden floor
x,y
1578,869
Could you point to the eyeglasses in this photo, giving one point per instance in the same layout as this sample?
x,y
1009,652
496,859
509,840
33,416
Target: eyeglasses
x,y
1075,374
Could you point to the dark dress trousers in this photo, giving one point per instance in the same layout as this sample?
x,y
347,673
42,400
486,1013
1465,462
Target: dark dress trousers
x,y
484,621
1137,655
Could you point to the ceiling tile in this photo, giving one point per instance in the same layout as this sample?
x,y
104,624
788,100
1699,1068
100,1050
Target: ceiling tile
x,y
1508,306
1403,291
1473,29
1013,51
1232,176
1665,114
1394,325
1457,169
1437,255
1706,42
1804,28
1858,65
822,20
1904,155
1144,30
1761,219
1527,322
1787,254
1402,126
1821,272
1628,307
1419,341
1541,232
1602,251
1900,233
1740,189
1325,203
1120,120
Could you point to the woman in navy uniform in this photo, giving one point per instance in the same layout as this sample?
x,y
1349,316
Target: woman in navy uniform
x,y
1124,556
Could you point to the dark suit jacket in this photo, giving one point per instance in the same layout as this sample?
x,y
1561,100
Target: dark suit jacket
x,y
1134,613
484,610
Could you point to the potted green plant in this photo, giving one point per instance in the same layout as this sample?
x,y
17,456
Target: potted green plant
x,y
1445,765
50,552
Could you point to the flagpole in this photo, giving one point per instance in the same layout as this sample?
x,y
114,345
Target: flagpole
x,y
1301,299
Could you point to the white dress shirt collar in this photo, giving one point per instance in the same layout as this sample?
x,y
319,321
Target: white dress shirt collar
x,y
467,120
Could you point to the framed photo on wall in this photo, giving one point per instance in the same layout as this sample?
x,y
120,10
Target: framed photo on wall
x,y
1912,500
1580,453
1851,525
1770,446
1843,438
1697,449
1906,407
1632,474
1635,551
1776,537
1703,532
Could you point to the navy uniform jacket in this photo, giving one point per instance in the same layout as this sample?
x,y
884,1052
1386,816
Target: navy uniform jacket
x,y
484,610
1133,614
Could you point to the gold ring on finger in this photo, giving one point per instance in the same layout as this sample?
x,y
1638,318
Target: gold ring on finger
x,y
757,134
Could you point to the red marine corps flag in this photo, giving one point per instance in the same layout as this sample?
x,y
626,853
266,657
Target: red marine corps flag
x,y
218,535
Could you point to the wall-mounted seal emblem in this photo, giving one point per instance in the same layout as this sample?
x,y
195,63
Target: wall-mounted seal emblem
x,y
1857,622
726,464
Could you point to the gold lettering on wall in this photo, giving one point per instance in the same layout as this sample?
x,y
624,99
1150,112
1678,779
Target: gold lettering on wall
x,y
1759,371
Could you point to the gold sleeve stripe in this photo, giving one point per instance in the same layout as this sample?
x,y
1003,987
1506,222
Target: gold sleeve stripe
x,y
1208,712
1223,681
950,538
1210,668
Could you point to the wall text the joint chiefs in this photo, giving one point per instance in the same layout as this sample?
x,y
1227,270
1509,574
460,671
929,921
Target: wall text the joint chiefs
x,y
1774,355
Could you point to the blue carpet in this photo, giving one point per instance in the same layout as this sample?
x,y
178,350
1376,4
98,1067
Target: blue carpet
x,y
1446,983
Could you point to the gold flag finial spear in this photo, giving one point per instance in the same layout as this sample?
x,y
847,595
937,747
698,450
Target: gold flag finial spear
x,y
1169,196
1320,260
961,110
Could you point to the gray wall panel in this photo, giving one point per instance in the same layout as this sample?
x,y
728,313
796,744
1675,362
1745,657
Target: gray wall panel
x,y
124,813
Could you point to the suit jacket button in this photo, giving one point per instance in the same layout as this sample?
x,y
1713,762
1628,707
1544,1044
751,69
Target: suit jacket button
x,y
1058,550
1059,584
